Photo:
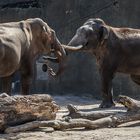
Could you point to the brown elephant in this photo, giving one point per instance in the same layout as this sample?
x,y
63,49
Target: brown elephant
x,y
115,49
20,44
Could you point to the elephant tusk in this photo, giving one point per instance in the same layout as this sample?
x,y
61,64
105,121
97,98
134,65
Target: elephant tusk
x,y
52,59
49,57
73,48
59,53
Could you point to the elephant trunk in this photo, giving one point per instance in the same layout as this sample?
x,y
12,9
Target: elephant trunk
x,y
58,46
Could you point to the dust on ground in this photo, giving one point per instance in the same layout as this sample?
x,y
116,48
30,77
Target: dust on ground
x,y
86,104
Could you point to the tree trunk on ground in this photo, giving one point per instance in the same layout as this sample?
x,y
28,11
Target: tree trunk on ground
x,y
20,109
108,120
74,113
111,121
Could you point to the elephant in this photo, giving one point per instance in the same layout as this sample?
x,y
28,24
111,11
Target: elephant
x,y
117,50
20,45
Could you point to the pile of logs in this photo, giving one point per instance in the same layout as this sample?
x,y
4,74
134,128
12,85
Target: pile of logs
x,y
24,113
18,109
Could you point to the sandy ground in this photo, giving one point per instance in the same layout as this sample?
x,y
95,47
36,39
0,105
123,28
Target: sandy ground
x,y
86,104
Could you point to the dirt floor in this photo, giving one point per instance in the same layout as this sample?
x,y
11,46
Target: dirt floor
x,y
86,104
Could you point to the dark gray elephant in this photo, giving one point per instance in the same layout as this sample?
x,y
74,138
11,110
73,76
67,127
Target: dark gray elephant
x,y
115,49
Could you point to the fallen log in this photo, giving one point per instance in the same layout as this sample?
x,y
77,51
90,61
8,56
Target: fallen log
x,y
20,109
114,120
131,104
111,121
60,125
74,113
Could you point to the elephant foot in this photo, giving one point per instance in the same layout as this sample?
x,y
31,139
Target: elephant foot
x,y
106,104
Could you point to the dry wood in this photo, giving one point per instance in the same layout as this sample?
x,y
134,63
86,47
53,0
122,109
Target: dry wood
x,y
129,103
19,109
114,120
92,115
111,121
60,125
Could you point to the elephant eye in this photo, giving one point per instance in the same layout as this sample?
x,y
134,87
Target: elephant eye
x,y
78,32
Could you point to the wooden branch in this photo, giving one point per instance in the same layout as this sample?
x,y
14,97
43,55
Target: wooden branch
x,y
60,125
92,115
19,109
129,103
111,121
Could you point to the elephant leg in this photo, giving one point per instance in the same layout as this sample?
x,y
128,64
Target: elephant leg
x,y
106,89
25,84
26,78
7,84
136,79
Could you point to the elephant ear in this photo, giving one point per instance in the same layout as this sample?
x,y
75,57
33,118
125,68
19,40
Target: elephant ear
x,y
104,33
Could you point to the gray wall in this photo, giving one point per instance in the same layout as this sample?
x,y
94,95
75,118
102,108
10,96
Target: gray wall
x,y
65,16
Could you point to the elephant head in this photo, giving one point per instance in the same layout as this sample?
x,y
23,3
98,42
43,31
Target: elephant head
x,y
91,34
44,39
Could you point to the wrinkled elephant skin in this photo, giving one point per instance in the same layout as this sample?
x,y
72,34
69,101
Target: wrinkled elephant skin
x,y
115,49
20,44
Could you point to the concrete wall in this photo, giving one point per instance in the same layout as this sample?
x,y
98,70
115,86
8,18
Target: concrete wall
x,y
65,16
